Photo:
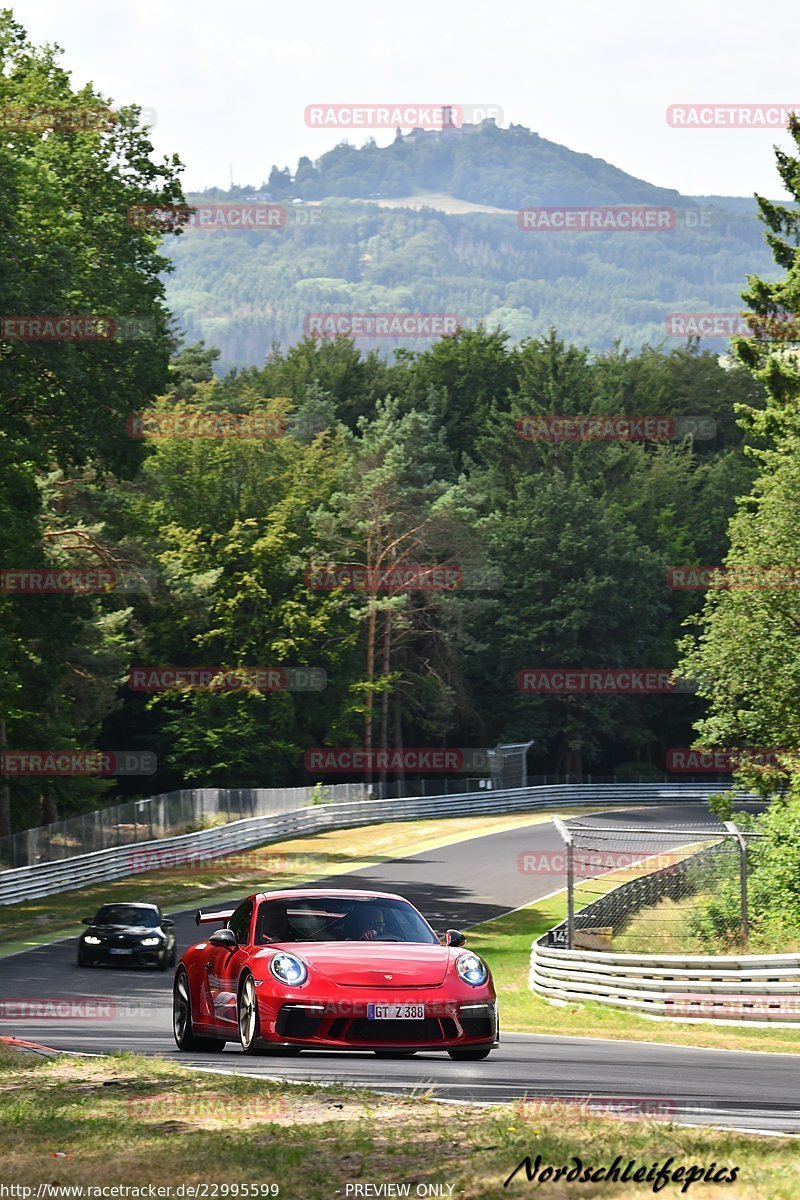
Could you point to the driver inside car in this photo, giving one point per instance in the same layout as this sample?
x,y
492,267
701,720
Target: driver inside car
x,y
274,923
366,923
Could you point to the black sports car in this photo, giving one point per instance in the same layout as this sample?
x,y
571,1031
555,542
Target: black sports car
x,y
128,933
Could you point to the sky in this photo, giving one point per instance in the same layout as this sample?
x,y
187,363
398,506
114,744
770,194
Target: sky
x,y
230,80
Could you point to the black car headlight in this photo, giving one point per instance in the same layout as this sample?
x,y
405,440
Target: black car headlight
x,y
91,940
288,970
151,941
471,969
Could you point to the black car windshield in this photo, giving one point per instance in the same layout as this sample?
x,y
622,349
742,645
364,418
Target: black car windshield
x,y
127,914
338,919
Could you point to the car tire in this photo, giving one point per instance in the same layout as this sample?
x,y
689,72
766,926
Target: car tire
x,y
161,961
83,962
185,1039
471,1053
394,1053
173,958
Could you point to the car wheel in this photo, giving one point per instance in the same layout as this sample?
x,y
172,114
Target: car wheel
x,y
161,962
173,956
394,1053
471,1053
185,1039
247,1016
82,962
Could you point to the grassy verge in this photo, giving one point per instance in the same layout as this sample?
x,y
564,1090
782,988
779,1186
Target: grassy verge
x,y
506,945
136,1121
663,928
279,864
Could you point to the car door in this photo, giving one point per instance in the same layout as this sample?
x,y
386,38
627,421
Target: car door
x,y
223,964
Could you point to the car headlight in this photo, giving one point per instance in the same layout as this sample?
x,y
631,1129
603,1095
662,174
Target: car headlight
x,y
151,941
288,969
91,940
472,969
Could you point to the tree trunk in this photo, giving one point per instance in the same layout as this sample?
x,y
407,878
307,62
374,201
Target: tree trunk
x,y
48,806
398,736
371,622
5,791
385,666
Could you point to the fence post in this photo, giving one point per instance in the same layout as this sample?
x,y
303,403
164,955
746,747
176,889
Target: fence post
x,y
731,827
567,837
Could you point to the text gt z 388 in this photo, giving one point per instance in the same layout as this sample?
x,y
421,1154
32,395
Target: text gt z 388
x,y
332,970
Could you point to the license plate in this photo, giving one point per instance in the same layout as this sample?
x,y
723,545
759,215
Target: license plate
x,y
120,951
395,1012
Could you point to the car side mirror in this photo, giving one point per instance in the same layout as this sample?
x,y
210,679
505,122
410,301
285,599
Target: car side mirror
x,y
167,924
224,937
86,921
454,937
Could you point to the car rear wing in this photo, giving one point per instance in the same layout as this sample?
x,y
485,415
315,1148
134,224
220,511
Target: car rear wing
x,y
217,915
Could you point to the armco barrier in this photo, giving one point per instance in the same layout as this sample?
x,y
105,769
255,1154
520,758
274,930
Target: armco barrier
x,y
44,879
745,989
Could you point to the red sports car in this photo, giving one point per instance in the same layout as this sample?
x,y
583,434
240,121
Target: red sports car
x,y
332,970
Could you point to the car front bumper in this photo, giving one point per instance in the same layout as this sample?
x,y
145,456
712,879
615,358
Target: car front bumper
x,y
138,954
317,1023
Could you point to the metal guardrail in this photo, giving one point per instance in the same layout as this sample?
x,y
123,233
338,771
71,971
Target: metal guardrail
x,y
724,989
45,879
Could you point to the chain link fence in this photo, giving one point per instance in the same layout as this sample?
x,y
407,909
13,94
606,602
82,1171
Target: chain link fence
x,y
627,885
168,815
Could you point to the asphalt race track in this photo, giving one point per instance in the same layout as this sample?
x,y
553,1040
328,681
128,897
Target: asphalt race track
x,y
454,886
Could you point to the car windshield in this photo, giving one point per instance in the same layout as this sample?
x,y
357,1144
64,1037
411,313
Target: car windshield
x,y
127,914
337,919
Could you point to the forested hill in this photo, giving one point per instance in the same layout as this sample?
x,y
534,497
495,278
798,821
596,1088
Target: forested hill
x,y
379,230
508,168
505,168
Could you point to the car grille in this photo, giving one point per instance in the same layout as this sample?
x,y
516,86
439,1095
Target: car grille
x,y
298,1022
395,1032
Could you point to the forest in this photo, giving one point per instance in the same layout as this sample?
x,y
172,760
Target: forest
x,y
557,552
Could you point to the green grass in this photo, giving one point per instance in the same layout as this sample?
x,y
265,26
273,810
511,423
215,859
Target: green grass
x,y
664,928
122,1119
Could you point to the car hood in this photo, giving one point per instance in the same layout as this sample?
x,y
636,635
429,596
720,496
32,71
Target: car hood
x,y
371,964
135,930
